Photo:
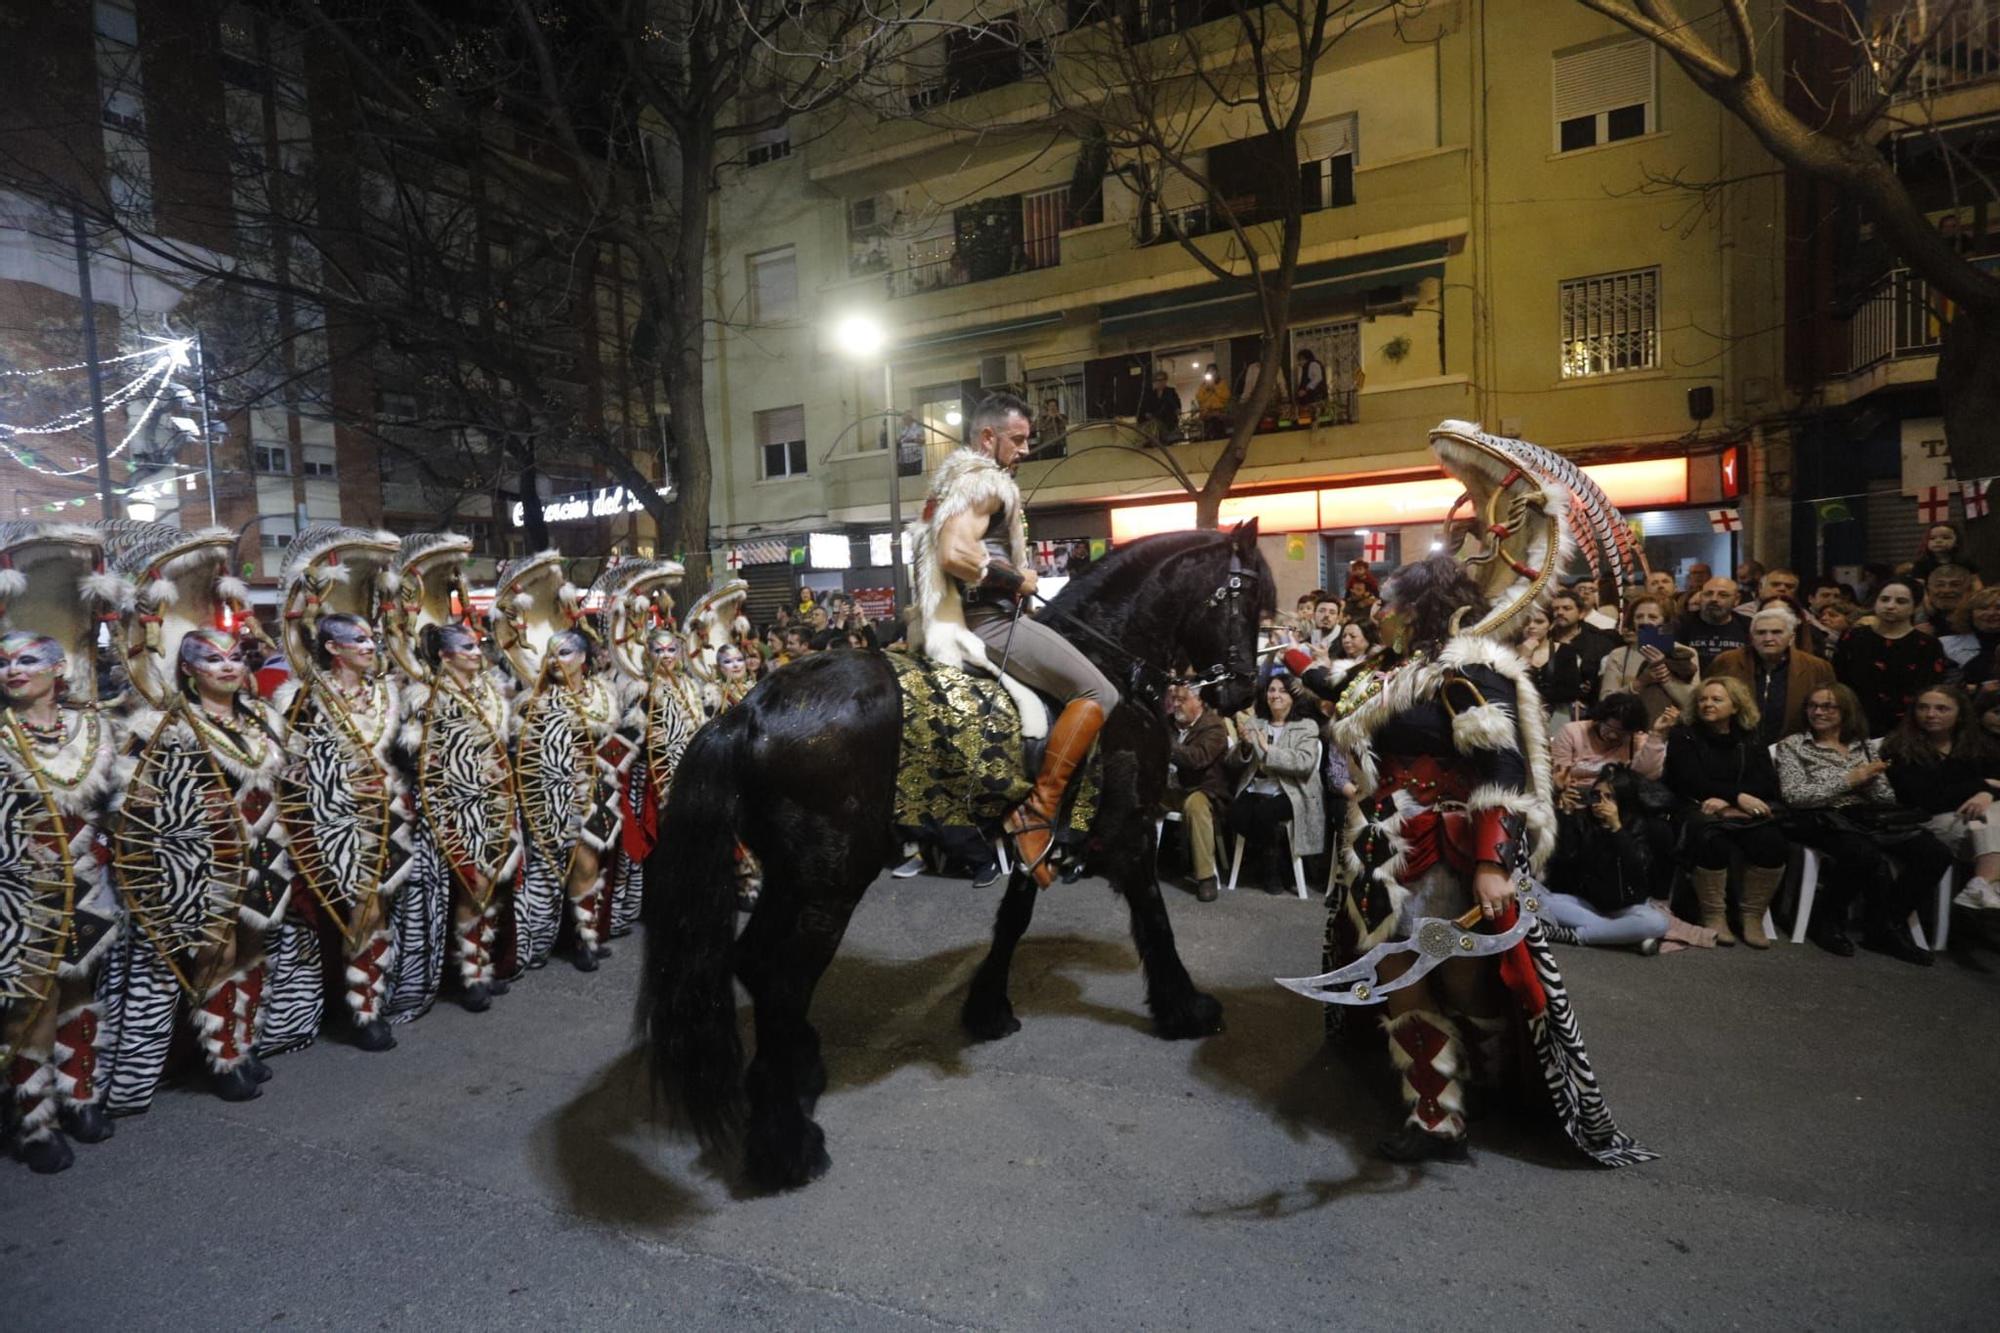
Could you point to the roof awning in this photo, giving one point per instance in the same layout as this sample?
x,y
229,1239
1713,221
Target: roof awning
x,y
979,331
1216,309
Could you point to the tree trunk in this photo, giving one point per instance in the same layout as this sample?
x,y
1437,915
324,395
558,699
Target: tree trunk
x,y
1969,386
683,306
1249,411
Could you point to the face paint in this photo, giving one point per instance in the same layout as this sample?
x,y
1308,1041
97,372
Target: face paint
x,y
215,660
730,660
30,667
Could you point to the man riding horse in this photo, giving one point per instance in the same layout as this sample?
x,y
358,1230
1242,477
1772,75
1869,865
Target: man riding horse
x,y
973,577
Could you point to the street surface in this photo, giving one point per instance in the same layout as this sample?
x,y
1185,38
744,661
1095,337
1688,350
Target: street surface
x,y
1827,1128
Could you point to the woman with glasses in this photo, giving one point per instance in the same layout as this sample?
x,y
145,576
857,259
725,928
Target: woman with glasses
x,y
1833,779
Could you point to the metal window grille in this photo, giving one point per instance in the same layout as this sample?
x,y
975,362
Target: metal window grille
x,y
1610,323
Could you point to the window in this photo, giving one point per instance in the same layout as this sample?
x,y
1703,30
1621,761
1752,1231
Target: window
x,y
774,286
1337,348
1326,164
274,458
275,531
769,146
1603,94
1059,388
1610,323
781,440
318,461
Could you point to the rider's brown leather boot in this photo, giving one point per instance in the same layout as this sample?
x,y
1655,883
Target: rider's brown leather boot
x,y
1031,823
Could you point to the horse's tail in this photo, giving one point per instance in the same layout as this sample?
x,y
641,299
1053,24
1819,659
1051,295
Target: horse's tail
x,y
687,1005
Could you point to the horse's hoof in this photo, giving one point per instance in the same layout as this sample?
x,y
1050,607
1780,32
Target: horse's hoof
x,y
774,1168
1198,1016
989,1022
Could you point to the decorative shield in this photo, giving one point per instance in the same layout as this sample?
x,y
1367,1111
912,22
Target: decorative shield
x,y
431,573
173,581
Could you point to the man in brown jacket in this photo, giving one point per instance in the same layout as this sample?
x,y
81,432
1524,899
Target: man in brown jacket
x,y
1198,787
1780,676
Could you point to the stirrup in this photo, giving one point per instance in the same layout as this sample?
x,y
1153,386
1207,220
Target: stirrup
x,y
1036,824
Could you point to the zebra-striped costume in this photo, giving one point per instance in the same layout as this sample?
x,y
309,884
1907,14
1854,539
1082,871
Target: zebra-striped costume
x,y
204,879
1461,777
345,814
469,835
662,722
569,765
58,917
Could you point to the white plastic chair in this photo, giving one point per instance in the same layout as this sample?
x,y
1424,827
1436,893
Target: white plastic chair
x,y
1291,848
1809,870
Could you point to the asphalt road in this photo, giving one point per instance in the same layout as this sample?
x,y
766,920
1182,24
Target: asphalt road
x,y
1827,1129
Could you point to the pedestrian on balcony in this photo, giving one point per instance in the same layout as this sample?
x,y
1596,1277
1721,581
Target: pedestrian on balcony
x,y
1160,410
1211,400
1050,427
1311,384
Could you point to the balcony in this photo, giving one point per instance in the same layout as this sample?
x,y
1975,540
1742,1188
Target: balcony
x,y
1902,318
997,238
1961,46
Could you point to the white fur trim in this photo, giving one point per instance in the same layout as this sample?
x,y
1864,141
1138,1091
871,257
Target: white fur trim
x,y
1487,727
13,583
967,479
107,587
232,589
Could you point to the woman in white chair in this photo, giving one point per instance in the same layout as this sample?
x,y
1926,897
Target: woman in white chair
x,y
1278,753
1840,802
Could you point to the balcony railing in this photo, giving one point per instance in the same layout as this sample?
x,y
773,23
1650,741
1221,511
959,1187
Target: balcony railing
x,y
1901,318
950,269
1960,46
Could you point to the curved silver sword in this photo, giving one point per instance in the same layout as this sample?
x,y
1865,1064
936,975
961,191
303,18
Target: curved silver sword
x,y
1433,939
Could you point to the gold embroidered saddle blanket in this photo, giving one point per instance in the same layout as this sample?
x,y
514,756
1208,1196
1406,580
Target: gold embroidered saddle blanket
x,y
964,760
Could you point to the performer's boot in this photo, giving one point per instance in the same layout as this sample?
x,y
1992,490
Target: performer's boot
x,y
37,1141
1487,1050
1428,1055
366,980
1711,893
583,916
75,1063
475,961
1760,885
1889,930
1031,824
223,1026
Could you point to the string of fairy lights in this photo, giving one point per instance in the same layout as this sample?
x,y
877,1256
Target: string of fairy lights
x,y
153,381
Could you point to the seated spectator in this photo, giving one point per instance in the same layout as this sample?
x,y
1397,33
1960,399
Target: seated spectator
x,y
798,642
1889,663
1590,601
755,666
1945,592
1663,678
1942,546
1616,732
1779,675
1974,634
1277,752
1567,625
1840,802
1612,858
861,638
1197,784
1942,762
1358,641
1712,626
1724,778
1557,674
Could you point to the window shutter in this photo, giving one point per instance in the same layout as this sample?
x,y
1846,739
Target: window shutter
x,y
780,425
1603,78
1326,138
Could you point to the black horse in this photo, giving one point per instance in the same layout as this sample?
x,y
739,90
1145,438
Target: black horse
x,y
803,772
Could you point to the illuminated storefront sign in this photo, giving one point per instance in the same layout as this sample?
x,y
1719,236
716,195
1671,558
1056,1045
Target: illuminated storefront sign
x,y
1647,484
587,504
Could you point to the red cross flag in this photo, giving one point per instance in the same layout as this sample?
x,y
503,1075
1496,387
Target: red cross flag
x,y
1974,494
734,559
1375,548
1934,505
1045,553
1725,520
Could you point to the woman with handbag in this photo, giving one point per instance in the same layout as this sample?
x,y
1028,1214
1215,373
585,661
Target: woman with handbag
x,y
1716,765
1840,803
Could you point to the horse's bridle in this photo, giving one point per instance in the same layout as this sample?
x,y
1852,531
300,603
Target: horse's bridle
x,y
1239,662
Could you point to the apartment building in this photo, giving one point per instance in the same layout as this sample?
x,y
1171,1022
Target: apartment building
x,y
1872,469
1493,234
214,133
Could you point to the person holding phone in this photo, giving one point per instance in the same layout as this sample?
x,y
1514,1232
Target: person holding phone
x,y
1652,663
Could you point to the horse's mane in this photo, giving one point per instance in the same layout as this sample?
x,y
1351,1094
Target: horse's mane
x,y
1113,579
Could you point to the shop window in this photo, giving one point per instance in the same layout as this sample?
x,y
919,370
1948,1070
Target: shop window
x,y
1610,323
1604,94
781,442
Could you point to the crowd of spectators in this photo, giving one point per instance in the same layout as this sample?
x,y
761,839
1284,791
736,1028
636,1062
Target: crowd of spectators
x,y
1700,732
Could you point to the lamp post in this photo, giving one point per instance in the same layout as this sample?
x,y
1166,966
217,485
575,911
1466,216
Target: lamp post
x,y
862,338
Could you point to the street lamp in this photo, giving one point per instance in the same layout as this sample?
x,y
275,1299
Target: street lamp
x,y
861,338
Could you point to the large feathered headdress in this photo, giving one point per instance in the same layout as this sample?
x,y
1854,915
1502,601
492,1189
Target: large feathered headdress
x,y
52,582
430,573
329,569
170,582
1531,511
635,595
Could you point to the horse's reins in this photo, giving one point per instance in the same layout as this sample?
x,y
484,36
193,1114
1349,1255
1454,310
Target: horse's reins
x,y
1229,591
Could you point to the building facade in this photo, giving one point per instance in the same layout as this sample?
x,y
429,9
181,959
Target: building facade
x,y
1500,227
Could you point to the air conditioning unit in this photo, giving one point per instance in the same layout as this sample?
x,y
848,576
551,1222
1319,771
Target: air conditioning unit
x,y
869,216
1003,371
1390,300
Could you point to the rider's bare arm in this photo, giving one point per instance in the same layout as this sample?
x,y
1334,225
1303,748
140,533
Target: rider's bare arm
x,y
962,552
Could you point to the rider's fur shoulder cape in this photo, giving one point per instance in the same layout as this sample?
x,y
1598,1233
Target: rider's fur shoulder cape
x,y
966,479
